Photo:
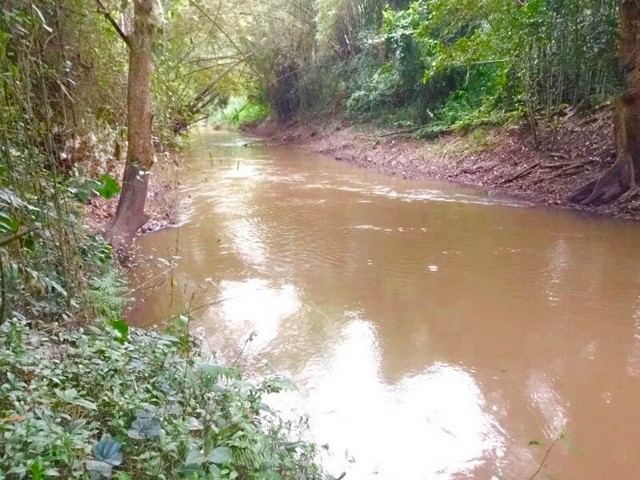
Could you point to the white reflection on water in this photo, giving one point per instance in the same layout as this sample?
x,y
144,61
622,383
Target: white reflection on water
x,y
255,306
432,424
633,363
544,397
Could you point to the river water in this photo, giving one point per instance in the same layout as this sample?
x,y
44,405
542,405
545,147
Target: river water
x,y
433,332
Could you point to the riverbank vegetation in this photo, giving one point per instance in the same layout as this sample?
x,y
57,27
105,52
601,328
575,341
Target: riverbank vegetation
x,y
434,64
100,400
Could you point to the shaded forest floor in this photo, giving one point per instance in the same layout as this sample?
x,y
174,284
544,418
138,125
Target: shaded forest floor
x,y
502,161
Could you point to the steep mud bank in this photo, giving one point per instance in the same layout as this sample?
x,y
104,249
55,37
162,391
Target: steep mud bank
x,y
502,161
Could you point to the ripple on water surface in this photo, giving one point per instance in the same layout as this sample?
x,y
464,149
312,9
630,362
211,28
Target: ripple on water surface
x,y
434,332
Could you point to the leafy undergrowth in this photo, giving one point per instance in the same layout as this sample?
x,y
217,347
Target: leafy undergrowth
x,y
105,401
239,112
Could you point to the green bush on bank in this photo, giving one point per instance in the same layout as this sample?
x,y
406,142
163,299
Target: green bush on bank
x,y
69,394
238,112
444,65
102,401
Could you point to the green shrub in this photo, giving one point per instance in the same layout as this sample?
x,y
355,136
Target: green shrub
x,y
83,403
240,111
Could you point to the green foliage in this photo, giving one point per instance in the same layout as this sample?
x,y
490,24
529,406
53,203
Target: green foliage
x,y
83,188
454,65
42,259
107,186
82,395
82,404
504,58
239,111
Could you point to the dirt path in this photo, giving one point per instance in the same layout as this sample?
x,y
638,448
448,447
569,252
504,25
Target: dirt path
x,y
503,161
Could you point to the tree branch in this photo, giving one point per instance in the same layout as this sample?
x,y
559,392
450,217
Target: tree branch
x,y
15,236
226,35
103,10
544,459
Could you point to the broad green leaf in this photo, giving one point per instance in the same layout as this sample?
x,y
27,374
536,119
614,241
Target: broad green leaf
x,y
195,457
122,328
220,455
99,467
193,424
107,186
72,396
108,451
145,428
8,223
84,403
75,425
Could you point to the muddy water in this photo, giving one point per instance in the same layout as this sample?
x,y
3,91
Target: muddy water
x,y
433,331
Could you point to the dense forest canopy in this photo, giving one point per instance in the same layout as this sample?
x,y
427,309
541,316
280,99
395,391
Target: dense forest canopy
x,y
434,63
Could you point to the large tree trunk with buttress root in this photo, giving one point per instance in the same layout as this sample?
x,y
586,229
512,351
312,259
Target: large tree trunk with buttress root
x,y
130,215
621,180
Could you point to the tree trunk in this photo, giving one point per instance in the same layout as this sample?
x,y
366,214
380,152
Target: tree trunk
x,y
130,214
620,181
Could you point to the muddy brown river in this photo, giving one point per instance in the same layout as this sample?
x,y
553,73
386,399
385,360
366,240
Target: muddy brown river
x,y
433,332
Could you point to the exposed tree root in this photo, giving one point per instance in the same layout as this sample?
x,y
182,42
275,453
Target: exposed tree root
x,y
558,155
483,167
521,173
619,182
627,197
566,169
611,186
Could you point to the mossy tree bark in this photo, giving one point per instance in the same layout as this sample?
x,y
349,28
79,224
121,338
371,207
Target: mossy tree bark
x,y
130,215
621,180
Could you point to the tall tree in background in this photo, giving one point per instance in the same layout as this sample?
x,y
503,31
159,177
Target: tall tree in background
x,y
130,215
621,180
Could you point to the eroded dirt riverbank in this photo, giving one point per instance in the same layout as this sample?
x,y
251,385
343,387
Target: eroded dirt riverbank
x,y
161,206
502,161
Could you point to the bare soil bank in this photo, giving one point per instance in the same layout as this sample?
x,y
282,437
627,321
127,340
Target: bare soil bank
x,y
161,205
502,161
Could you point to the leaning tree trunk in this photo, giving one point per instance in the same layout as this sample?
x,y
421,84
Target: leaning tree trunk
x,y
621,180
130,215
